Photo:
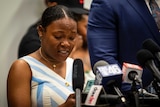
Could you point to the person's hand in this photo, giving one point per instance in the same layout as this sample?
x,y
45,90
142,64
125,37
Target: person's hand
x,y
70,102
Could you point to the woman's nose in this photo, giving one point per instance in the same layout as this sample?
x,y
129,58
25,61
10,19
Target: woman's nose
x,y
65,43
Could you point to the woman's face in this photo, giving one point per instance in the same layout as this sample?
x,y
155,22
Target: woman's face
x,y
58,39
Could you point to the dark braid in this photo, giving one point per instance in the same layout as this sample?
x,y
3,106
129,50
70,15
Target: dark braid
x,y
55,13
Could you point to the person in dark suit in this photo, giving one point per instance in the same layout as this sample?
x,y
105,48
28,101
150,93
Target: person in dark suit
x,y
116,31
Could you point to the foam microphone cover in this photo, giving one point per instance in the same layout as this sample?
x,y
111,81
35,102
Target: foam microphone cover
x,y
146,59
143,56
78,74
99,63
152,46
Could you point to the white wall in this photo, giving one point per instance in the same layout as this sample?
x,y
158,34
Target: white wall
x,y
15,17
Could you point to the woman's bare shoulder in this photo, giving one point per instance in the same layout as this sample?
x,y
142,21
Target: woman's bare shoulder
x,y
20,67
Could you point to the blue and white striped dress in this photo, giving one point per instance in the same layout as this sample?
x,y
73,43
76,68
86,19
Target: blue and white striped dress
x,y
48,88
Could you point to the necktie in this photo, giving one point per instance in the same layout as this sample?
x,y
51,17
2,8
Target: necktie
x,y
155,12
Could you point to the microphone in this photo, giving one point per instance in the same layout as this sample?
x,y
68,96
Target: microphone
x,y
78,80
88,86
144,92
106,72
112,83
131,73
99,63
98,76
153,47
146,59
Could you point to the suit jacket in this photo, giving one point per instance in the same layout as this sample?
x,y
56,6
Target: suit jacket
x,y
117,29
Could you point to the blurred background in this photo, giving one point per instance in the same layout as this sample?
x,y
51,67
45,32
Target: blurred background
x,y
15,18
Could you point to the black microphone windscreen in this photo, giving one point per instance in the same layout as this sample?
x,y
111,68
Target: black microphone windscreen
x,y
78,74
151,46
143,56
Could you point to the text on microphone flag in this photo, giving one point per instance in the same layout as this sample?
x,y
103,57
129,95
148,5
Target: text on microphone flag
x,y
109,70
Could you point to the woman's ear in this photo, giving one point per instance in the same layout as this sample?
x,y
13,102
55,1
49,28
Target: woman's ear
x,y
40,31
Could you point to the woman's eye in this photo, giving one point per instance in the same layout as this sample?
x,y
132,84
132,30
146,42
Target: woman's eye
x,y
58,37
72,38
